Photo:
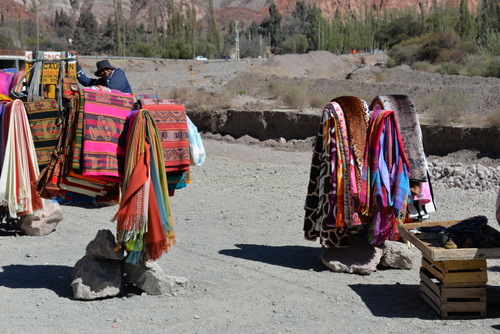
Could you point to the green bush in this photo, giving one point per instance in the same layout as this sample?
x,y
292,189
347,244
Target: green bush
x,y
405,52
449,67
424,66
275,89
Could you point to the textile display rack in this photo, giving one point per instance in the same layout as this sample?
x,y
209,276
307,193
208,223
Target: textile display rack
x,y
93,145
368,172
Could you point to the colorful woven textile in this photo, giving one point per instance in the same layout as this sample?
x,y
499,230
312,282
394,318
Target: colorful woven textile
x,y
144,220
18,162
422,203
76,127
409,126
385,187
45,127
170,118
324,218
104,119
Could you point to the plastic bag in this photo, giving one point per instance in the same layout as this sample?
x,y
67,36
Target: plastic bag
x,y
196,149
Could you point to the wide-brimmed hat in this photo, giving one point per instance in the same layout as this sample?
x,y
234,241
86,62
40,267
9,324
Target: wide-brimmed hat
x,y
103,65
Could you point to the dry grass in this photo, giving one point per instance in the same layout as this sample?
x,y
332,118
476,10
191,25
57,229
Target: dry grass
x,y
294,97
318,100
493,118
200,99
445,108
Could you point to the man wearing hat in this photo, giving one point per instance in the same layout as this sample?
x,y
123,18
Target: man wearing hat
x,y
109,76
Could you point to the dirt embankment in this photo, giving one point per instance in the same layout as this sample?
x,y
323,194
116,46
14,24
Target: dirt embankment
x,y
464,102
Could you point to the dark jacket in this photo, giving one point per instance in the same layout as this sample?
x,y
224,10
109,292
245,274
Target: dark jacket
x,y
116,80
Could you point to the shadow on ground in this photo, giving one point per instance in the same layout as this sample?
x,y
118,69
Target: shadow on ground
x,y
295,257
55,278
404,301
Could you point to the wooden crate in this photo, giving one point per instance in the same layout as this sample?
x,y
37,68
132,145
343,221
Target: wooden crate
x,y
452,302
457,272
434,251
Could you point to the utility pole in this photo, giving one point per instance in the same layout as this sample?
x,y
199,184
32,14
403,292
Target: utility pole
x,y
260,45
123,19
319,36
237,41
35,4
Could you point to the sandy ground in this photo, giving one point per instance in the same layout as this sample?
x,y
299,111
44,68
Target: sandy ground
x,y
240,244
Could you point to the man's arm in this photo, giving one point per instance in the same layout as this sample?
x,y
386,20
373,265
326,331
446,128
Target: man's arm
x,y
83,79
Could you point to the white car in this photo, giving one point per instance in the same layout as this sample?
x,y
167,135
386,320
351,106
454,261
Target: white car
x,y
201,58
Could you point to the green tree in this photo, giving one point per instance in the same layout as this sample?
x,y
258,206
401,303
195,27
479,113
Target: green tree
x,y
295,44
86,37
62,24
214,34
272,27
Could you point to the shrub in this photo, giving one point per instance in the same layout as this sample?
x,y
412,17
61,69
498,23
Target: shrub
x,y
449,67
275,89
294,97
456,56
405,52
381,77
318,100
424,66
484,65
493,118
445,107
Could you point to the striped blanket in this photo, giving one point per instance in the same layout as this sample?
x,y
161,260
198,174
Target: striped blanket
x,y
43,118
170,118
104,119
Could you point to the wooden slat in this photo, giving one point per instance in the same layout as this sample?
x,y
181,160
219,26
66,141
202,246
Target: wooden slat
x,y
430,298
465,307
433,270
447,266
469,293
426,279
466,278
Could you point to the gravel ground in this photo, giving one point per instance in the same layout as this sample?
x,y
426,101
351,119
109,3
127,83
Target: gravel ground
x,y
240,244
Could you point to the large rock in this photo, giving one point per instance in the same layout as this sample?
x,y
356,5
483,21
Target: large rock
x,y
151,279
43,221
359,258
95,278
396,255
103,247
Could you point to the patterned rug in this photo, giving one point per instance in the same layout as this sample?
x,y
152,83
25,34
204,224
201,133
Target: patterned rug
x,y
104,120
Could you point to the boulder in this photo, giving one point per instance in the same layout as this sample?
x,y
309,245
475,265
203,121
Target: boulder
x,y
96,278
103,247
151,279
43,221
359,258
396,255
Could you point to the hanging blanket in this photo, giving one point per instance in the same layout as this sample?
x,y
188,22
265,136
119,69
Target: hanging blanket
x,y
170,118
19,165
45,127
144,220
385,187
104,118
409,127
422,203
